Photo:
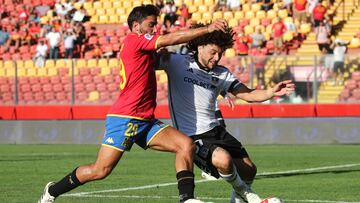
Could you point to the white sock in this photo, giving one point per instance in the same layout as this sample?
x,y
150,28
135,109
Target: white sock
x,y
235,181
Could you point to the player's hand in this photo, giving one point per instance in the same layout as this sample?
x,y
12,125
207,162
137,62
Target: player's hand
x,y
230,102
218,24
285,87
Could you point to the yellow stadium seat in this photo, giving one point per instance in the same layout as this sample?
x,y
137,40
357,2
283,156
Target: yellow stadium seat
x,y
145,2
256,7
249,15
116,4
91,11
288,36
1,64
49,63
103,19
233,22
42,71
110,11
305,28
198,2
91,63
123,18
94,19
261,14
188,2
120,11
267,36
52,71
283,13
203,9
102,63
229,53
228,15
68,63
20,64
113,62
8,64
76,72
107,4
127,4
21,72
29,64
88,5
97,5
354,43
81,63
254,22
30,72
268,29
209,2
44,20
136,3
77,5
193,9
217,15
246,7
196,17
207,16
239,15
100,12
2,72
60,63
114,19
288,20
94,96
248,30
105,71
10,72
271,14
178,3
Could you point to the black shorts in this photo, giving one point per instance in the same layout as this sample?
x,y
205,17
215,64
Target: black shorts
x,y
207,142
339,67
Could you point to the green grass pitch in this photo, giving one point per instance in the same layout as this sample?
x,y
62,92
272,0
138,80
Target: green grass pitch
x,y
307,173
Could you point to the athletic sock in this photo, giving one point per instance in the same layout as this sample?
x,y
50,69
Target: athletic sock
x,y
186,185
234,179
69,182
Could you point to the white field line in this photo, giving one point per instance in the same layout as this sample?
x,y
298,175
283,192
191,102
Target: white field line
x,y
200,181
208,199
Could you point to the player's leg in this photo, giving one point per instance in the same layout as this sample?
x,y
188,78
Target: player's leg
x,y
106,160
171,140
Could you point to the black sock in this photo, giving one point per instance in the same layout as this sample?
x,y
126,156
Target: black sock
x,y
66,184
186,185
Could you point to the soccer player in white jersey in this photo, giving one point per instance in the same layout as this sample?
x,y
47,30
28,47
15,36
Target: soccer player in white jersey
x,y
195,81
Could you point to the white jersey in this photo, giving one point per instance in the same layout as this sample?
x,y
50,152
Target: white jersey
x,y
193,93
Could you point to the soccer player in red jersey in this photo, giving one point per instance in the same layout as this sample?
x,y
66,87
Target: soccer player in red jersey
x,y
131,119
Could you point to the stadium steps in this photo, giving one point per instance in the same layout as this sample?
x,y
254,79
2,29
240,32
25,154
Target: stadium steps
x,y
309,46
351,28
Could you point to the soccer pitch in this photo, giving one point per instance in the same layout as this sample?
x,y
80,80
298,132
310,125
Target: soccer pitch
x,y
296,173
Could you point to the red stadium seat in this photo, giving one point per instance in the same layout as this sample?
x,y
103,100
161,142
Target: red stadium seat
x,y
45,80
47,88
55,79
49,96
33,80
90,87
86,79
101,87
79,87
58,87
98,79
36,87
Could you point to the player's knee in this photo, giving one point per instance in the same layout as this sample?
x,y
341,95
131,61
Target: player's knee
x,y
187,147
100,173
222,161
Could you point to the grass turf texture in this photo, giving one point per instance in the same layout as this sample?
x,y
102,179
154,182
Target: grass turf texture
x,y
25,169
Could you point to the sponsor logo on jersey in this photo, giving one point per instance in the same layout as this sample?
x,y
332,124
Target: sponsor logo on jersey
x,y
190,70
148,36
109,140
198,83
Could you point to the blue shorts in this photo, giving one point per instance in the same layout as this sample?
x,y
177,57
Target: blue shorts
x,y
122,132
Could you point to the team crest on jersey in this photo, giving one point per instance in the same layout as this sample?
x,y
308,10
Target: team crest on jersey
x,y
148,36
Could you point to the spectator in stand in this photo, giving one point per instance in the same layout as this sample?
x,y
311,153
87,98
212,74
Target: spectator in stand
x,y
184,12
327,61
34,30
242,43
54,38
233,5
220,6
23,14
25,37
299,8
278,29
257,38
319,14
259,60
41,52
14,38
81,39
97,52
69,43
4,36
340,48
80,15
267,5
310,8
323,36
287,4
170,11
159,4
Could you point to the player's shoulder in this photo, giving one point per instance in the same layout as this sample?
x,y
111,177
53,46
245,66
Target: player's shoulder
x,y
221,69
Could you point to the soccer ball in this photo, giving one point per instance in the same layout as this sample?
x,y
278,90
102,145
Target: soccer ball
x,y
272,200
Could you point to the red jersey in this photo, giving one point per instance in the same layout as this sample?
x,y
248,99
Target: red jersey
x,y
137,77
300,5
319,12
278,29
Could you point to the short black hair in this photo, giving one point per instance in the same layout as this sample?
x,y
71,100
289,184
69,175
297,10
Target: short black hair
x,y
139,13
222,39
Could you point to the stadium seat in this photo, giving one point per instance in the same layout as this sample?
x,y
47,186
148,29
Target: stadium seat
x,y
217,15
249,15
196,17
103,19
202,8
283,13
110,11
42,72
8,64
113,62
239,15
107,5
305,28
105,71
248,30
207,16
209,2
260,14
114,19
256,7
228,15
97,5
120,11
49,63
246,7
233,22
230,53
94,96
91,63
271,14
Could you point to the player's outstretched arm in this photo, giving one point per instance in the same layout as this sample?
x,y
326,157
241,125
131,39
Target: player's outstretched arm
x,y
252,95
183,36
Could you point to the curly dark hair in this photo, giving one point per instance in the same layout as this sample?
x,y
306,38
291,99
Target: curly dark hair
x,y
222,39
